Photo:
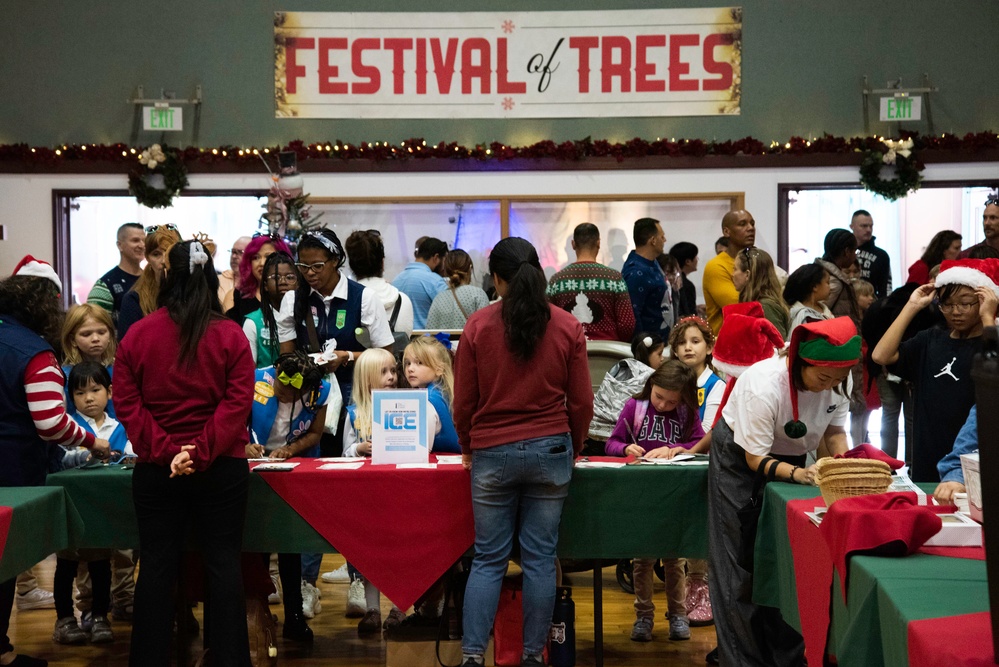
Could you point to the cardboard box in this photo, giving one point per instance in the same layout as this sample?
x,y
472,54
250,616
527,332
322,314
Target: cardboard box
x,y
971,466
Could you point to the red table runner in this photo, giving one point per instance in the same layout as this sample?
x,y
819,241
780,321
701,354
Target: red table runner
x,y
964,640
6,515
813,569
402,529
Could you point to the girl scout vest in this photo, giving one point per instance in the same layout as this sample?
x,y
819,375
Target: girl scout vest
x,y
265,407
340,323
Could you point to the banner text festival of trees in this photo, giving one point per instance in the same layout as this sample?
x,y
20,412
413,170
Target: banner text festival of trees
x,y
522,65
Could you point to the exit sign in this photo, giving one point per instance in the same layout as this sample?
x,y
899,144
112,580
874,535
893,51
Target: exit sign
x,y
163,118
901,108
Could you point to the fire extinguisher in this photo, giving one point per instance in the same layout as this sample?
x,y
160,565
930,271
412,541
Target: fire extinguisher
x,y
562,652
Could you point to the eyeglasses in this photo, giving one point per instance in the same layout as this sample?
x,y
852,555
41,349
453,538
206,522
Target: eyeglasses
x,y
236,252
286,279
373,232
958,307
313,268
152,229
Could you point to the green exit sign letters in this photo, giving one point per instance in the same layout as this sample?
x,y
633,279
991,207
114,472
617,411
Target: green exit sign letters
x,y
895,109
163,118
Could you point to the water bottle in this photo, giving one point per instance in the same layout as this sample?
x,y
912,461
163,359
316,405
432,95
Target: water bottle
x,y
562,652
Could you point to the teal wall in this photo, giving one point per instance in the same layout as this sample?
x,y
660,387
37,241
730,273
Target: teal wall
x,y
67,67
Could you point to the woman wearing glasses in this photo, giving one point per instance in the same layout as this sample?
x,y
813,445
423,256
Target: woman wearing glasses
x,y
329,306
141,299
245,299
279,277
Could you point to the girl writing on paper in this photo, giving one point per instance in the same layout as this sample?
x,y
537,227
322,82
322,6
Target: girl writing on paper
x,y
691,341
624,379
289,410
427,365
762,435
660,422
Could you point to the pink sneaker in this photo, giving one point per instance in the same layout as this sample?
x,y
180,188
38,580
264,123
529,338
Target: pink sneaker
x,y
699,603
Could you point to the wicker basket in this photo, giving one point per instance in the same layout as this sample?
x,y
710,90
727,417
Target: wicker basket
x,y
847,478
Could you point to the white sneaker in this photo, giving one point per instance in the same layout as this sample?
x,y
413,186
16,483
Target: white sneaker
x,y
356,605
310,600
36,598
337,576
275,597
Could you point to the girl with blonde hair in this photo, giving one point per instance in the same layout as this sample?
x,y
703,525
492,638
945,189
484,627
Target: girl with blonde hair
x,y
427,365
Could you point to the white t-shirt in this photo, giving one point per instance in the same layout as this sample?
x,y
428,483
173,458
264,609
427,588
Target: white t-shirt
x,y
712,401
373,317
760,405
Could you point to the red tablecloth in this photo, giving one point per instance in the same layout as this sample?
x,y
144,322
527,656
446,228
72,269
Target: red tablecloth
x,y
964,640
813,570
6,514
400,528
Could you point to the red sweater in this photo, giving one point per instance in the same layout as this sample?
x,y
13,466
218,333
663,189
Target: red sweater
x,y
499,399
164,406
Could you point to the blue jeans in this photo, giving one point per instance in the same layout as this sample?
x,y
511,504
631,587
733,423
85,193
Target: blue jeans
x,y
524,481
310,567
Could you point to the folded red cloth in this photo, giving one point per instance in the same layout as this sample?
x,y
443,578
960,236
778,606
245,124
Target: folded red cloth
x,y
866,451
886,524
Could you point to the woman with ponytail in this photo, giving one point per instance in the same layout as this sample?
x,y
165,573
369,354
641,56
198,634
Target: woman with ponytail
x,y
452,307
183,390
523,402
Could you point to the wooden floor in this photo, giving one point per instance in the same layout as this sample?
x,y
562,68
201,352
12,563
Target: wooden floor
x,y
337,642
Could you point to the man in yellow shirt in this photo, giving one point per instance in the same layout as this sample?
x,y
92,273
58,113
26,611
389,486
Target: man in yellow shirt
x,y
739,228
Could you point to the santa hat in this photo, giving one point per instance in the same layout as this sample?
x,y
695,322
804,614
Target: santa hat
x,y
749,308
29,266
744,339
969,272
831,343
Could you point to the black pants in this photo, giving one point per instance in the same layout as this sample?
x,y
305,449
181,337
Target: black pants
x,y
213,503
290,572
65,573
6,605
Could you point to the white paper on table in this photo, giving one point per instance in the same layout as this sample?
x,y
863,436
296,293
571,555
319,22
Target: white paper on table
x,y
600,464
263,459
352,465
415,466
449,460
341,459
695,462
676,460
274,467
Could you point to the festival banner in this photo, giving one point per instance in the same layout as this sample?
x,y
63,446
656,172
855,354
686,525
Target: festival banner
x,y
660,62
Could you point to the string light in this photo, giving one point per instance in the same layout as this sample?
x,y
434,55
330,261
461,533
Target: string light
x,y
58,152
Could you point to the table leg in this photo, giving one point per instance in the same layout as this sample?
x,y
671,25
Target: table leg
x,y
598,614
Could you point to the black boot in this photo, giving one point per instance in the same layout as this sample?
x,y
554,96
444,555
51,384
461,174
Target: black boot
x,y
296,629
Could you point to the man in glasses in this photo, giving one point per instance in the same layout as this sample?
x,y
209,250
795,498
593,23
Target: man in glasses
x,y
990,225
229,279
739,227
875,265
109,289
420,280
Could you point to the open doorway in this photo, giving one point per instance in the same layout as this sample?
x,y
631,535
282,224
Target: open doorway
x,y
806,213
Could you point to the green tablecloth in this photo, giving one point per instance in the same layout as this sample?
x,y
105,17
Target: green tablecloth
x,y
636,512
103,497
44,521
884,594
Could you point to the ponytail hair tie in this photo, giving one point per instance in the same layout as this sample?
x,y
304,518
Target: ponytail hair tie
x,y
198,256
647,341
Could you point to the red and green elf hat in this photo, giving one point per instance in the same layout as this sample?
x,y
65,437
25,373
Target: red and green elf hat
x,y
831,343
